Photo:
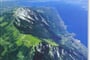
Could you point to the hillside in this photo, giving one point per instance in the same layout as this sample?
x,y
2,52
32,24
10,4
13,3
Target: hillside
x,y
37,34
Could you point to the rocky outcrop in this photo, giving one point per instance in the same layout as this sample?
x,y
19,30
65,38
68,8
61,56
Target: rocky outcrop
x,y
45,51
29,21
44,26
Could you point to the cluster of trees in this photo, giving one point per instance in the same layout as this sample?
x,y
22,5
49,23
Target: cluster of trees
x,y
10,40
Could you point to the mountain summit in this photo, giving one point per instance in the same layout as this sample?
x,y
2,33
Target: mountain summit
x,y
37,34
33,22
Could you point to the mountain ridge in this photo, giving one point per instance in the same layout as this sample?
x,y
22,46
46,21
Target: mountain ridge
x,y
41,40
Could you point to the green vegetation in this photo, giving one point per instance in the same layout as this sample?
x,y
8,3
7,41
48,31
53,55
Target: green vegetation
x,y
49,41
27,40
14,44
20,56
3,24
1,19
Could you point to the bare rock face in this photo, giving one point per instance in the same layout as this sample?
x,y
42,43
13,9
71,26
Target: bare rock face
x,y
47,25
29,21
45,51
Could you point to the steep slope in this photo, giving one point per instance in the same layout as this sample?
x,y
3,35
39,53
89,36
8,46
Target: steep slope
x,y
37,34
32,22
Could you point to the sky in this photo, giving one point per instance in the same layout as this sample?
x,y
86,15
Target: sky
x,y
81,3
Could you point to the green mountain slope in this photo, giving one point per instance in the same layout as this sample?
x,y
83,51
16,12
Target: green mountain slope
x,y
13,42
37,34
